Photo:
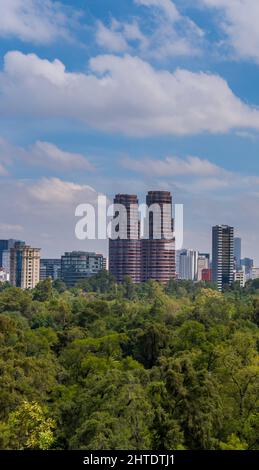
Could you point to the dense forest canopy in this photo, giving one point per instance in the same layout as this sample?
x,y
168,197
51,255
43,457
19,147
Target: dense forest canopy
x,y
107,366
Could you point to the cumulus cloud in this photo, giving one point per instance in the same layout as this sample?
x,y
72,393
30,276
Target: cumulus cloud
x,y
45,154
55,191
175,166
121,36
49,154
37,21
122,94
42,212
191,174
111,38
239,21
169,34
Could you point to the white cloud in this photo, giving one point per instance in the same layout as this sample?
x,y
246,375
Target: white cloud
x,y
49,154
55,191
110,38
175,166
121,36
122,94
166,5
44,212
17,62
207,185
10,229
45,154
191,175
3,170
37,21
4,157
169,34
239,21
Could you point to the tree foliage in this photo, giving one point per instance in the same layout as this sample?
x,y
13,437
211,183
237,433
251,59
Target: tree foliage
x,y
107,366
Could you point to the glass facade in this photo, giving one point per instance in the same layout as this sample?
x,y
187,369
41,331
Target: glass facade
x,y
78,265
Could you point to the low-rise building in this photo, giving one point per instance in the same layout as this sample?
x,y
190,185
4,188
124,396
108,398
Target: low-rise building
x,y
4,275
254,273
239,276
79,265
203,263
206,275
50,268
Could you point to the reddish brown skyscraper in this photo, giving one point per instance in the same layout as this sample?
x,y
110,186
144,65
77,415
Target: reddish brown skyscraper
x,y
158,251
125,254
147,258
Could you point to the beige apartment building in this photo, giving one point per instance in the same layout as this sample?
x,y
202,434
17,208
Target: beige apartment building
x,y
24,266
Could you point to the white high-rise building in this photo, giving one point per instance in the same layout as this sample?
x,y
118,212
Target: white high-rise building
x,y
188,265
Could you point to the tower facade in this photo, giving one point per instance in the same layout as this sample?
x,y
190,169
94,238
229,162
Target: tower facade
x,y
158,250
222,255
188,265
237,252
5,253
24,266
125,252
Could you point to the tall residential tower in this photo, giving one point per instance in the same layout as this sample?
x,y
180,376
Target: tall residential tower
x,y
158,250
237,253
24,266
222,255
151,255
125,251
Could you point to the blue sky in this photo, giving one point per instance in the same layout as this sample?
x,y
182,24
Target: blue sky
x,y
130,95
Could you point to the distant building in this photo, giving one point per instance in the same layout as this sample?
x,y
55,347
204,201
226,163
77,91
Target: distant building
x,y
237,253
4,276
158,253
206,275
24,266
203,263
247,264
177,263
254,273
125,253
105,267
79,265
5,247
188,265
205,255
149,256
50,269
240,277
222,255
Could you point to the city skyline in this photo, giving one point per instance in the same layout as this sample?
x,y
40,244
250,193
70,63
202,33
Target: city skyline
x,y
140,219
151,255
162,95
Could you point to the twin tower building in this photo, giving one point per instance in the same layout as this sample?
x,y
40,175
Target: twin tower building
x,y
148,255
